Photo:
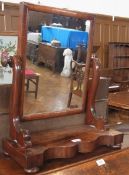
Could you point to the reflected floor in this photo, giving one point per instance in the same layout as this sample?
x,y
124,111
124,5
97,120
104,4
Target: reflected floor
x,y
52,93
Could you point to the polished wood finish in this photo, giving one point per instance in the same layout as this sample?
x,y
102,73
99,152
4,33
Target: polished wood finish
x,y
90,110
31,150
60,143
51,56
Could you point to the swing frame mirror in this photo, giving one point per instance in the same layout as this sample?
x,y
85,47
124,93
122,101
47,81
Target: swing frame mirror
x,y
21,52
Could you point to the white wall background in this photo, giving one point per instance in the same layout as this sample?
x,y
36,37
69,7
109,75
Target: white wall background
x,y
108,7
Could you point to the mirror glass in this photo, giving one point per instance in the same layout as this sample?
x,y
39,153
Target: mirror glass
x,y
47,59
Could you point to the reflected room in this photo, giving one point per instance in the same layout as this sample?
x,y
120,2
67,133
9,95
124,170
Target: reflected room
x,y
56,51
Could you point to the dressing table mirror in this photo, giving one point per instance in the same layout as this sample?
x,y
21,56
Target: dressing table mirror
x,y
47,59
44,105
32,149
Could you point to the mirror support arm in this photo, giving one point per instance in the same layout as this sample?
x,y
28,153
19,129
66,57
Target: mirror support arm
x,y
90,109
18,135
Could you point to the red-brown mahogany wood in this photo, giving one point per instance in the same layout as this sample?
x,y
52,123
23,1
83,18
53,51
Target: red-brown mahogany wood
x,y
31,150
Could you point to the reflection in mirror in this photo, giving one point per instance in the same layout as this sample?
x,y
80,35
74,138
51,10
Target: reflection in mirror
x,y
48,63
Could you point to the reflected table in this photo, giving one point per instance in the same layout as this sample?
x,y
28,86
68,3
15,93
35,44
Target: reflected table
x,y
5,89
119,100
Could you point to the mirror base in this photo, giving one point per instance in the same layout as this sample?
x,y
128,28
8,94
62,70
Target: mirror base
x,y
58,143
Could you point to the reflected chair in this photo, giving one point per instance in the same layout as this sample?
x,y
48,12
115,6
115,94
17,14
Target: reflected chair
x,y
77,78
76,88
31,76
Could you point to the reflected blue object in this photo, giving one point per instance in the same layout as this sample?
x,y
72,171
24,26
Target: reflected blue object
x,y
69,38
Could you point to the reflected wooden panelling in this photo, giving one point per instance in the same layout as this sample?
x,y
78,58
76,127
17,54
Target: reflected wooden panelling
x,y
106,29
14,22
114,33
123,30
9,19
38,18
2,25
97,34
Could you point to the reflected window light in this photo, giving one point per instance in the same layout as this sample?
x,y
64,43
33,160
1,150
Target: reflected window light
x,y
2,6
87,23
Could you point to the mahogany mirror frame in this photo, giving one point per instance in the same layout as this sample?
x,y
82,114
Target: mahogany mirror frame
x,y
21,52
